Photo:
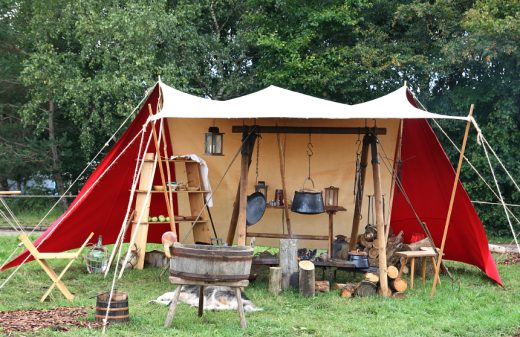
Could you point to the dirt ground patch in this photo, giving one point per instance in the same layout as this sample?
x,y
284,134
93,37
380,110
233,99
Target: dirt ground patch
x,y
512,258
60,319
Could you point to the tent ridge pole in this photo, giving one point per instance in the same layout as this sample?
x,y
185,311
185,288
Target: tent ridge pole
x,y
452,200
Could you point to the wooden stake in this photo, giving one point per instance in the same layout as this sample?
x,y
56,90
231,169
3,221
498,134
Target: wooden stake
x,y
378,201
359,195
161,171
452,200
281,155
397,160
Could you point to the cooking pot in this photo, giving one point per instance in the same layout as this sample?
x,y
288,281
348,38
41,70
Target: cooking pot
x,y
308,201
255,208
359,259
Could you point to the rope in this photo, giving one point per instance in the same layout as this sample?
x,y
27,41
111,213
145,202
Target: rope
x,y
218,185
484,146
141,213
13,217
71,208
38,196
493,203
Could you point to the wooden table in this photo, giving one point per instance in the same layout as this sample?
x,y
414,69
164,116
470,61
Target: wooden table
x,y
412,255
180,282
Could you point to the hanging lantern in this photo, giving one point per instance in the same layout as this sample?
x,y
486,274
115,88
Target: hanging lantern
x,y
261,187
213,141
331,196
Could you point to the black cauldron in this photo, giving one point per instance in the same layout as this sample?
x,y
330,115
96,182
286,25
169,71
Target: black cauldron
x,y
308,201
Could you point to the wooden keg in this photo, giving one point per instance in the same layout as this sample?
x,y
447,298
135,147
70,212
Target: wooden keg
x,y
118,311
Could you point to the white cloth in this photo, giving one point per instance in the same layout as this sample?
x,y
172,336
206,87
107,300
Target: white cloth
x,y
204,175
275,102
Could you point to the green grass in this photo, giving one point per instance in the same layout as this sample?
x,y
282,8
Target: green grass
x,y
470,306
31,218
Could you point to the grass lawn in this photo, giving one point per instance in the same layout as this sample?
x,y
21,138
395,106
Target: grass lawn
x,y
470,306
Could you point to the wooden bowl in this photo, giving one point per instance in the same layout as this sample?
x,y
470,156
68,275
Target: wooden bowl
x,y
158,187
193,188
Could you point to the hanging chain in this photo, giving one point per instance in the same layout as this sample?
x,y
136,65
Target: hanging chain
x,y
257,157
309,154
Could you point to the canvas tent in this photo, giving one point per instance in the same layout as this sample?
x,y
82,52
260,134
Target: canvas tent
x,y
103,203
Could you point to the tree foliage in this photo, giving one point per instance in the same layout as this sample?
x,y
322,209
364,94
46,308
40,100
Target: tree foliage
x,y
72,71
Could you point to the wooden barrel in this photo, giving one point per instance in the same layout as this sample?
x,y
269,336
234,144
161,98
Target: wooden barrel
x,y
211,263
118,311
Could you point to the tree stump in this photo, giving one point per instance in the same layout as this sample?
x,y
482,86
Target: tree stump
x,y
306,279
399,285
366,288
289,263
275,280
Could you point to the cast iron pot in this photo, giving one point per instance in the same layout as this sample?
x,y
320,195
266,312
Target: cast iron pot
x,y
255,209
308,201
360,260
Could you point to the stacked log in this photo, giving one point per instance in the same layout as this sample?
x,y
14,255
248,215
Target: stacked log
x,y
394,244
370,285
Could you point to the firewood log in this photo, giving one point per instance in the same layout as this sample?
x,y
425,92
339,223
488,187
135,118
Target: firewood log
x,y
371,277
373,253
392,272
275,280
322,286
366,288
398,295
398,285
339,286
306,278
348,290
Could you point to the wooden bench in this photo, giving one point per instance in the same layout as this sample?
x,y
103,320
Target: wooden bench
x,y
412,255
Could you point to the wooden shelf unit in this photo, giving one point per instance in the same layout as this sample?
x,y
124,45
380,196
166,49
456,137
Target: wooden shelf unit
x,y
189,202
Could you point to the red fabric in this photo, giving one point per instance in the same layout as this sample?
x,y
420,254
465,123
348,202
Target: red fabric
x,y
427,177
103,208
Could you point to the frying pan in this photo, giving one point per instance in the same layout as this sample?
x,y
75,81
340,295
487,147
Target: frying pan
x,y
256,205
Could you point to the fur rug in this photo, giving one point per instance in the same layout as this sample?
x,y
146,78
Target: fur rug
x,y
215,298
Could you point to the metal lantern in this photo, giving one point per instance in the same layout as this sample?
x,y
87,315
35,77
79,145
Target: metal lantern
x,y
213,141
331,196
261,187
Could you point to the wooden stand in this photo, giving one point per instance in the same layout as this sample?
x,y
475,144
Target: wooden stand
x,y
42,258
412,255
180,282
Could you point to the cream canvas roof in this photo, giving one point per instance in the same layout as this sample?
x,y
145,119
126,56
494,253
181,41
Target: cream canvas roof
x,y
276,102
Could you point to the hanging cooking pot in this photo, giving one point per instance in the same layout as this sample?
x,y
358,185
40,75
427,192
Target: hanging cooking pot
x,y
255,209
308,201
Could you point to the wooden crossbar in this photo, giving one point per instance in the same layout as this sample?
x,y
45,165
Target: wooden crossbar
x,y
42,258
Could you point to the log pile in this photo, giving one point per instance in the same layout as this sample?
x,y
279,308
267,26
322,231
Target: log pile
x,y
370,285
395,244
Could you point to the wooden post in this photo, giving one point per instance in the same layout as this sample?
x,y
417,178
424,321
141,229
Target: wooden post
x,y
168,173
161,170
359,194
397,160
281,155
289,263
378,202
244,170
275,280
306,278
452,200
331,232
234,216
142,232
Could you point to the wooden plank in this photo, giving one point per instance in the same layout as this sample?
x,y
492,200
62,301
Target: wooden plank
x,y
141,200
452,200
309,130
380,222
358,199
201,230
286,236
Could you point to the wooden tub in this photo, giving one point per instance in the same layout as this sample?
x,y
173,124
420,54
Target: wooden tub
x,y
211,263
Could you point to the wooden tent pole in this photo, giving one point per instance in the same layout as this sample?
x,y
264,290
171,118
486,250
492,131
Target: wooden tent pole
x,y
452,200
250,144
358,201
244,170
397,160
281,155
378,202
161,171
168,174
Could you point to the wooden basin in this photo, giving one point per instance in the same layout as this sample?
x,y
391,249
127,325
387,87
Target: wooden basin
x,y
211,263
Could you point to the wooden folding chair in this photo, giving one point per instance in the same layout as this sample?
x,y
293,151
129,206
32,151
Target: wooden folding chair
x,y
42,260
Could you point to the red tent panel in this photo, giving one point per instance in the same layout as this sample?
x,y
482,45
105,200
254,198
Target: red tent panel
x,y
102,208
427,177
